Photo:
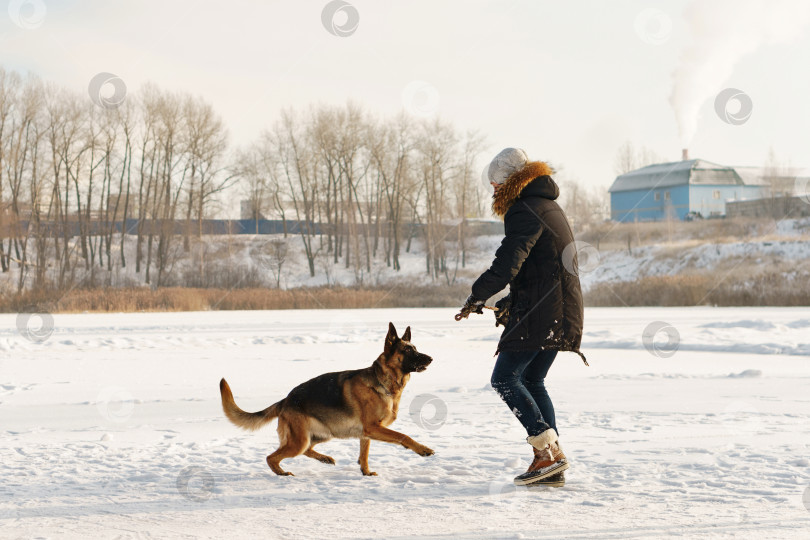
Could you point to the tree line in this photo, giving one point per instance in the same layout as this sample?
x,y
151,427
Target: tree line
x,y
72,172
364,179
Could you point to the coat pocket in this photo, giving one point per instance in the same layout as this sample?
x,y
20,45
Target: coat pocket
x,y
518,318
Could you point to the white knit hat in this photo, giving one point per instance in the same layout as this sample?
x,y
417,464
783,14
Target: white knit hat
x,y
507,162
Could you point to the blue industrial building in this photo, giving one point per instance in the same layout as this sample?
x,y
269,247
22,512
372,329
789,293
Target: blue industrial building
x,y
673,190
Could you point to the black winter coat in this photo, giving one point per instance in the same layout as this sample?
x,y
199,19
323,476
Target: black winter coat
x,y
537,259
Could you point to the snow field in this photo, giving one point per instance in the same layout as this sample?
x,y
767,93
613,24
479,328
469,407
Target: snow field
x,y
111,428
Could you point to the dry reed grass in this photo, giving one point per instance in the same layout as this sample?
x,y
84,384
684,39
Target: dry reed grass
x,y
765,289
197,299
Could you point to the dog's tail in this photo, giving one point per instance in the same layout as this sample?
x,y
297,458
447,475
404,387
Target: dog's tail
x,y
242,419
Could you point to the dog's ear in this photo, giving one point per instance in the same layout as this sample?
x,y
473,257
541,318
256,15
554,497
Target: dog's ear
x,y
407,335
391,339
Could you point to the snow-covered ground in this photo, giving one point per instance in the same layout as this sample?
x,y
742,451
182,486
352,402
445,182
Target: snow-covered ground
x,y
691,422
697,258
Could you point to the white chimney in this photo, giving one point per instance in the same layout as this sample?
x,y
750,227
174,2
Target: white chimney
x,y
685,154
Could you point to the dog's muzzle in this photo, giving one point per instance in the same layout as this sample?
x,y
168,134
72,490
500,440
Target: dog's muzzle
x,y
419,363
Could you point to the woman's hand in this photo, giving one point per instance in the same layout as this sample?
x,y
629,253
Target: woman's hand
x,y
472,305
502,314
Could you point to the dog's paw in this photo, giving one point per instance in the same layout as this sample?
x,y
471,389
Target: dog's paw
x,y
328,460
425,451
369,473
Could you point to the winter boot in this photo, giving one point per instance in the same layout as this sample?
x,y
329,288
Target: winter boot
x,y
555,480
548,459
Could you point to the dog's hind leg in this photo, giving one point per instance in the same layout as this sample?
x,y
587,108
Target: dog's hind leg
x,y
294,442
311,453
363,459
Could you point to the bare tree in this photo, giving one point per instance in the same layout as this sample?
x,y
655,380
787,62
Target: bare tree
x,y
122,204
391,147
253,183
207,141
353,167
295,158
173,169
278,256
9,97
66,133
625,159
629,158
434,159
468,192
584,206
20,141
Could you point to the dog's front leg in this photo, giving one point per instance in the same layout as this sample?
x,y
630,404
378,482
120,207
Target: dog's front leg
x,y
363,459
380,433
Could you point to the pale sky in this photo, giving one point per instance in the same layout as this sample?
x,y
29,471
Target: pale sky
x,y
567,81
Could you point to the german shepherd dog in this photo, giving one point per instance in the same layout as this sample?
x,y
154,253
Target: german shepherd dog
x,y
359,403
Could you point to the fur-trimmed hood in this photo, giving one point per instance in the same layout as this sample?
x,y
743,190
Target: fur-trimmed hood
x,y
518,181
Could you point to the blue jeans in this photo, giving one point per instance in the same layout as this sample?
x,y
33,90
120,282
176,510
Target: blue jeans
x,y
518,378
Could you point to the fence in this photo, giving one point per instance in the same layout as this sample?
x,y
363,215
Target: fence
x,y
474,227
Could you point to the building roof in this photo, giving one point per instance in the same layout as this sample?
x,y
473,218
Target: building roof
x,y
753,176
765,176
677,173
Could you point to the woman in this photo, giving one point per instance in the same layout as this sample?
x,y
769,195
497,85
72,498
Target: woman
x,y
543,312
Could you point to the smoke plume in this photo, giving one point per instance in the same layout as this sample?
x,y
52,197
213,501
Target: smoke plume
x,y
724,31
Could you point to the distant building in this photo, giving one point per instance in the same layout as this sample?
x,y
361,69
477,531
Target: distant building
x,y
781,182
673,190
776,207
248,210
